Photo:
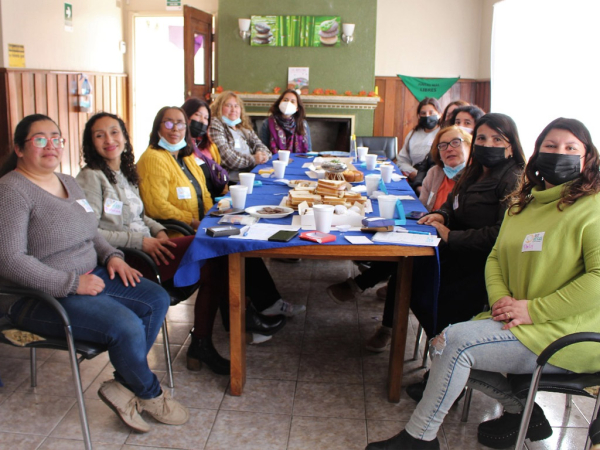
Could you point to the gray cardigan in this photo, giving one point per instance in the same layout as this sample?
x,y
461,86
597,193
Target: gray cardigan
x,y
114,228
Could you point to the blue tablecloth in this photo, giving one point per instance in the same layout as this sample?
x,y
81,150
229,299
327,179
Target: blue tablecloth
x,y
205,247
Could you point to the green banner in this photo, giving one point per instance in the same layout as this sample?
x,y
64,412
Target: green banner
x,y
428,87
295,31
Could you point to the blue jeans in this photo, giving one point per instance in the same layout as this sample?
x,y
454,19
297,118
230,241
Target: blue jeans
x,y
125,319
475,353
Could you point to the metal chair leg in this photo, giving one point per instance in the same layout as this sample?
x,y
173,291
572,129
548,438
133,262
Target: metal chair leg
x,y
425,355
466,404
535,382
588,442
165,334
33,366
417,343
569,402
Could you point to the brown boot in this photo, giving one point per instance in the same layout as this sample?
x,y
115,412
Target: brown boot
x,y
124,402
380,340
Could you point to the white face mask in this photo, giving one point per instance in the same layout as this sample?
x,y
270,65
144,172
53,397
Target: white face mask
x,y
287,108
468,130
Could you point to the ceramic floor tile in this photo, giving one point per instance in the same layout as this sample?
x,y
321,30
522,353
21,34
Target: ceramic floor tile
x,y
329,400
192,435
327,433
562,438
178,333
462,436
332,340
9,351
156,357
332,271
203,389
585,405
344,367
3,395
482,408
378,406
20,441
15,372
37,414
67,444
554,408
263,396
183,313
287,340
379,430
92,390
249,431
273,366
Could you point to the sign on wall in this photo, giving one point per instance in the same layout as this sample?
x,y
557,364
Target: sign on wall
x,y
68,17
173,5
295,31
16,55
427,87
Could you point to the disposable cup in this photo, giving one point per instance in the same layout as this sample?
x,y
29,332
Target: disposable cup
x,y
387,206
247,179
386,173
238,196
323,217
371,161
279,167
362,152
284,155
320,173
372,182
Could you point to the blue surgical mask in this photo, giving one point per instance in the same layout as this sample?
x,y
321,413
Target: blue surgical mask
x,y
231,123
171,147
451,172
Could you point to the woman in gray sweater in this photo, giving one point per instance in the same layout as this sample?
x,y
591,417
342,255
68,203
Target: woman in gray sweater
x,y
50,242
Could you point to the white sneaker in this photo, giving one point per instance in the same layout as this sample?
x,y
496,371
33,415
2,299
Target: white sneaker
x,y
259,338
282,307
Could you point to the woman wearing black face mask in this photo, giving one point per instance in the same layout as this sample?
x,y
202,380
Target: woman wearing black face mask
x,y
418,142
206,152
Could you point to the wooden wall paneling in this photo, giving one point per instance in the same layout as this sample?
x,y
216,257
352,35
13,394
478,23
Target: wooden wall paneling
x,y
28,92
51,96
483,95
15,101
98,93
121,99
398,117
62,90
40,94
379,114
74,134
388,126
106,93
113,95
5,125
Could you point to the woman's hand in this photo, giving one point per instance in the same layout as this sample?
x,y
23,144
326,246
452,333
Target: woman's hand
x,y
195,224
442,230
261,157
429,219
127,273
90,285
157,248
410,175
512,311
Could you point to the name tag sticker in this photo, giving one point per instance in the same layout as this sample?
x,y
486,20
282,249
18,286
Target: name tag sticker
x,y
237,144
184,193
431,194
112,206
455,203
533,242
84,203
199,161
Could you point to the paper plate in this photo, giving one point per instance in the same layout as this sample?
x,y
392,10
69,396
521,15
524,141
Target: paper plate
x,y
253,211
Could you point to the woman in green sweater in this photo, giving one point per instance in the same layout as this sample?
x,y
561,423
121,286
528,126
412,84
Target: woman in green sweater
x,y
543,282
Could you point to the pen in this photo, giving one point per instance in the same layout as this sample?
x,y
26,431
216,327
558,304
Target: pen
x,y
246,230
404,230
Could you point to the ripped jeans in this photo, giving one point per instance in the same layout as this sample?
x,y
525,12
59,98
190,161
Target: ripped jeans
x,y
476,354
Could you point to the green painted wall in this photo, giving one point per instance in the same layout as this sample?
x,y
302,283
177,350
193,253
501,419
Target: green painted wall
x,y
243,68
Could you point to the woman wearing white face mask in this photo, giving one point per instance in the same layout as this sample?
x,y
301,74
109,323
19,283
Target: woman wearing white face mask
x,y
286,127
466,117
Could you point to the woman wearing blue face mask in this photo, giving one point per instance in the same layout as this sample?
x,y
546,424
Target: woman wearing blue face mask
x,y
231,131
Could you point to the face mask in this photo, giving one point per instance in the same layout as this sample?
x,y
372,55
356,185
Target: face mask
x,y
231,123
287,108
428,122
467,130
197,129
171,147
558,169
489,156
451,172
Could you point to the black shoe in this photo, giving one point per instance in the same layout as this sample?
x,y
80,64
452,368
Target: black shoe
x,y
265,325
503,431
404,441
416,390
203,351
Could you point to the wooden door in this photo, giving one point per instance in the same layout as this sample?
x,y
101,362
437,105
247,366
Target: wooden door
x,y
198,49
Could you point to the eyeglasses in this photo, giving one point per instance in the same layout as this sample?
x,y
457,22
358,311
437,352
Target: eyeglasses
x,y
178,125
41,142
454,143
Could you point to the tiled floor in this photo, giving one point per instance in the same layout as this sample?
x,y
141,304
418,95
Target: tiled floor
x,y
311,387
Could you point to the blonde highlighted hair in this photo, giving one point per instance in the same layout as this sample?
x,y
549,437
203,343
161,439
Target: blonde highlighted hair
x,y
217,107
435,153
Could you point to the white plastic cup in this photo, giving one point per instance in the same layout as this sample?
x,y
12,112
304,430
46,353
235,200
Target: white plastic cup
x,y
386,173
238,196
323,217
362,152
372,183
284,155
279,167
371,161
320,173
247,179
387,206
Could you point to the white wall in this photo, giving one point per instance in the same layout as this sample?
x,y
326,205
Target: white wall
x,y
39,26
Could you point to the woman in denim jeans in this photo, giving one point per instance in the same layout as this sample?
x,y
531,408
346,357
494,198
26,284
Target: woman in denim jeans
x,y
50,242
543,282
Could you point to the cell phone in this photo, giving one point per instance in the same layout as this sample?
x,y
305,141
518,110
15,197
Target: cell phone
x,y
283,236
416,215
226,230
218,213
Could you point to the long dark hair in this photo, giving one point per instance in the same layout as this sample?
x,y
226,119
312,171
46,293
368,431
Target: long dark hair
x,y
506,127
21,132
154,137
299,116
587,184
428,101
190,107
473,110
445,120
93,159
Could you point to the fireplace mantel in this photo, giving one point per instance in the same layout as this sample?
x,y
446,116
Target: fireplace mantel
x,y
315,101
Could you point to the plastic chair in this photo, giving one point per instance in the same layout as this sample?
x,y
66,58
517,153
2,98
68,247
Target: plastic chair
x,y
380,145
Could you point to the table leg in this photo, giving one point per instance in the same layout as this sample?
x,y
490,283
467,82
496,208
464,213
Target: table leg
x,y
237,322
401,308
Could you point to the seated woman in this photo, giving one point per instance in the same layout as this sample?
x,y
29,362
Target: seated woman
x,y
466,117
554,215
286,127
448,110
230,129
468,223
50,242
206,153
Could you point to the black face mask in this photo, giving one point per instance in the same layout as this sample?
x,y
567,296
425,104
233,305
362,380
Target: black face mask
x,y
558,169
428,122
197,129
489,156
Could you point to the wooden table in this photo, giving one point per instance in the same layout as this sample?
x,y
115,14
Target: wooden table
x,y
395,253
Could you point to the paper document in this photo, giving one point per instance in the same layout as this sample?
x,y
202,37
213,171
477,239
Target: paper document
x,y
407,239
263,231
358,239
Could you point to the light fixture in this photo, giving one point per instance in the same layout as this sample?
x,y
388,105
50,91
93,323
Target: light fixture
x,y
244,26
347,32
